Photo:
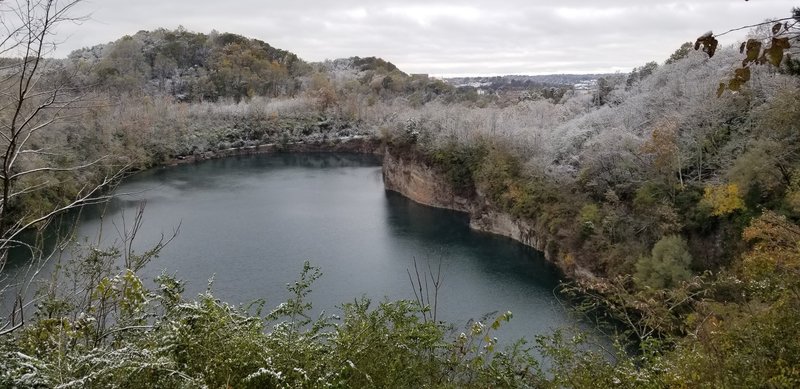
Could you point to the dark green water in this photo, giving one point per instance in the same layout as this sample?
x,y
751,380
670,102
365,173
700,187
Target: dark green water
x,y
250,222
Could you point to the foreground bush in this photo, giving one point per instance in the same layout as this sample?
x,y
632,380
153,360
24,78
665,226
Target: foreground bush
x,y
120,335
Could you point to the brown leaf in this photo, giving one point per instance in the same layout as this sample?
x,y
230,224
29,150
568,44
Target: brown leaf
x,y
711,48
781,42
773,55
721,89
735,85
742,75
753,47
709,44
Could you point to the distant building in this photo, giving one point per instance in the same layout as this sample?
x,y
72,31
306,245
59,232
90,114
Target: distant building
x,y
585,87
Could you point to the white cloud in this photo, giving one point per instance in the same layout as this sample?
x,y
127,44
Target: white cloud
x,y
424,15
584,13
356,13
444,36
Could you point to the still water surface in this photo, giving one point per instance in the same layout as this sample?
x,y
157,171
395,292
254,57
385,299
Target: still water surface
x,y
250,222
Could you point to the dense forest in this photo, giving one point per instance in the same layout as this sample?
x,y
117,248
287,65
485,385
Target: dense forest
x,y
670,196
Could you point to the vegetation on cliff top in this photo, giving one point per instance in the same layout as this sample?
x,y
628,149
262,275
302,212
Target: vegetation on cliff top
x,y
685,203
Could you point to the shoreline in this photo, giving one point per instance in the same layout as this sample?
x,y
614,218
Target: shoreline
x,y
422,184
352,144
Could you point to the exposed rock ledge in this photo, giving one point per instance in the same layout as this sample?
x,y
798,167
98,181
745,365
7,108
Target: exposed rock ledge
x,y
423,184
353,144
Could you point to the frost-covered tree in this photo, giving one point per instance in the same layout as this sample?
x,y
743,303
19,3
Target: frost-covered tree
x,y
772,42
123,68
36,94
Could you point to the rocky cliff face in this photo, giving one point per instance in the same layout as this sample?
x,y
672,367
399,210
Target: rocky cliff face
x,y
360,145
423,184
420,183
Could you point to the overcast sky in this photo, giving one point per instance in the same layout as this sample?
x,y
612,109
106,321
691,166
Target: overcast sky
x,y
445,38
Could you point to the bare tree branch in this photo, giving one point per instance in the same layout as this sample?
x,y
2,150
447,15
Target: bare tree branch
x,y
35,95
55,169
754,25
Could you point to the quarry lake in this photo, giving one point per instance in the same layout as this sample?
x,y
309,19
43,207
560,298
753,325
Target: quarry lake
x,y
250,222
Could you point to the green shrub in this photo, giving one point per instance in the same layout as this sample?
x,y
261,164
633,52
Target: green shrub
x,y
667,265
499,171
459,164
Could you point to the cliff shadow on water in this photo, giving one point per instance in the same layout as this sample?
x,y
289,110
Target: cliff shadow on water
x,y
441,229
250,221
482,274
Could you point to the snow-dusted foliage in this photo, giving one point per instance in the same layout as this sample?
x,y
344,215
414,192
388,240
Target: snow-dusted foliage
x,y
159,339
564,137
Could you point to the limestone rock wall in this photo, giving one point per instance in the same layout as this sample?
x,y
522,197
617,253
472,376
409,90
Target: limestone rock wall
x,y
423,184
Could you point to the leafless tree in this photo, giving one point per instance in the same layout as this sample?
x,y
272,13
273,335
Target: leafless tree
x,y
36,93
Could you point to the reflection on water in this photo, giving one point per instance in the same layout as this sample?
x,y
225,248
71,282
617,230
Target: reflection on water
x,y
249,223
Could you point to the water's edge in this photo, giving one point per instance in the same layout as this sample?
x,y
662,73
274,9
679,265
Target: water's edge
x,y
423,184
415,180
358,145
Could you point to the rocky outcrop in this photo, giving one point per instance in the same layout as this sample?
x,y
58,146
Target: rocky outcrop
x,y
409,175
420,183
501,223
361,145
412,178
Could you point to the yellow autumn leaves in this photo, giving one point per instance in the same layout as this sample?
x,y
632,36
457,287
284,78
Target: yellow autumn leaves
x,y
723,199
